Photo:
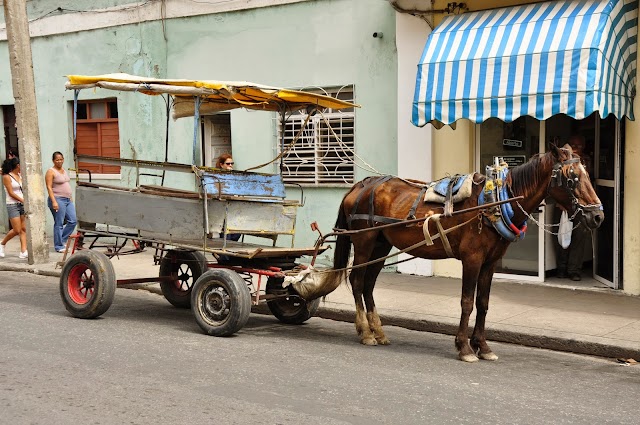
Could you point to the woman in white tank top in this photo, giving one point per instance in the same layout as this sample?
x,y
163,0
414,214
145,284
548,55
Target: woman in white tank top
x,y
12,181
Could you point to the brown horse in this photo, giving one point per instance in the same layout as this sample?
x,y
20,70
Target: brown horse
x,y
471,239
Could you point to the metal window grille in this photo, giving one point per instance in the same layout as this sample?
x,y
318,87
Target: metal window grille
x,y
319,157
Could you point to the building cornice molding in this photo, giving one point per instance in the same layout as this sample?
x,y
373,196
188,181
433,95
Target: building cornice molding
x,y
130,14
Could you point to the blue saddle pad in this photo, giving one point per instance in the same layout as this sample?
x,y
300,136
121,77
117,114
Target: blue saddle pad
x,y
442,185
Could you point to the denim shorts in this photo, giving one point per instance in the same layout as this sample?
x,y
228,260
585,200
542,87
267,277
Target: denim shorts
x,y
15,210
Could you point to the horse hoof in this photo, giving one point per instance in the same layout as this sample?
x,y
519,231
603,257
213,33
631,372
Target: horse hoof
x,y
469,358
369,341
488,356
383,341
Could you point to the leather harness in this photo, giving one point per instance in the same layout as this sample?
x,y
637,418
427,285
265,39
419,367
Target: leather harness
x,y
372,218
373,183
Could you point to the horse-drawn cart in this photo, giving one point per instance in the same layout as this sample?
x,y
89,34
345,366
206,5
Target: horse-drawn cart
x,y
183,226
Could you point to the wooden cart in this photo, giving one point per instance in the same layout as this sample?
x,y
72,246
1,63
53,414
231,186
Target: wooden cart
x,y
200,267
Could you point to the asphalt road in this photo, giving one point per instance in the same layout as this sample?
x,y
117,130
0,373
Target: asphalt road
x,y
146,362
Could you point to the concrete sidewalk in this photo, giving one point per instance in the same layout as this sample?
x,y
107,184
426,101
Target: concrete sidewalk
x,y
580,319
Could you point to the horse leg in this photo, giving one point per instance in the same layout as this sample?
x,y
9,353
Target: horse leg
x,y
371,274
362,248
478,339
470,271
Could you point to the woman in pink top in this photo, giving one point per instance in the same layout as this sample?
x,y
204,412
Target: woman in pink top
x,y
60,202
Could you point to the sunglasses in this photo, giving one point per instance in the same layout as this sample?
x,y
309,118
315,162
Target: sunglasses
x,y
229,163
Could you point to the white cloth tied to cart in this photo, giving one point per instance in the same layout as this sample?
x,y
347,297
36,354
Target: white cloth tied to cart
x,y
304,276
310,280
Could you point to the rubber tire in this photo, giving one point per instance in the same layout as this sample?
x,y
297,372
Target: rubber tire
x,y
189,266
217,288
87,284
292,310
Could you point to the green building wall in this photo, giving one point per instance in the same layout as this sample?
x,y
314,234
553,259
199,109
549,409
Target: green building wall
x,y
307,44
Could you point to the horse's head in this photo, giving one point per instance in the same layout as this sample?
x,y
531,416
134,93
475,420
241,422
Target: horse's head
x,y
571,187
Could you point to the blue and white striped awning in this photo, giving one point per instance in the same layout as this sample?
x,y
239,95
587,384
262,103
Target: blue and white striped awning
x,y
542,59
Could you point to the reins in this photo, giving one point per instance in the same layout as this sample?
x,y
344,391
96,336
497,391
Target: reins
x,y
340,232
411,248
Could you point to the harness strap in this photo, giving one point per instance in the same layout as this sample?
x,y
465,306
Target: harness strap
x,y
375,218
445,239
360,195
355,205
442,233
373,183
448,205
425,230
394,254
372,195
414,207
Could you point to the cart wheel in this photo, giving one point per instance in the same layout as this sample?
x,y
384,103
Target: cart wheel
x,y
87,284
187,266
221,302
290,310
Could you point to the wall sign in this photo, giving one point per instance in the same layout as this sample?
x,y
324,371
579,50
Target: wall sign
x,y
513,160
512,143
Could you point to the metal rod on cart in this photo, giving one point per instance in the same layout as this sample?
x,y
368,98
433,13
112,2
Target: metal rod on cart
x,y
196,124
257,297
283,123
206,210
76,93
166,136
145,280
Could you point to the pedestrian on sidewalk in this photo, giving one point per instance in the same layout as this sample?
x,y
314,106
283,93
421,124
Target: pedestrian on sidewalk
x,y
570,260
60,202
12,181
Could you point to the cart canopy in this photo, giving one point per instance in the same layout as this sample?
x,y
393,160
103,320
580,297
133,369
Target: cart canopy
x,y
215,96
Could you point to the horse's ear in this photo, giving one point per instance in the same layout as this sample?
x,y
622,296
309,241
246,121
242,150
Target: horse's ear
x,y
567,148
555,150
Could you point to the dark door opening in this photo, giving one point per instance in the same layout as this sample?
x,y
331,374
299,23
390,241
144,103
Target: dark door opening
x,y
10,131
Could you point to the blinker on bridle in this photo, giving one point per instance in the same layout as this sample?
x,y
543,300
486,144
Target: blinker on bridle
x,y
570,183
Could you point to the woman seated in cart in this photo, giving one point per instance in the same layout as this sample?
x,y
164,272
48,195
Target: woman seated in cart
x,y
225,162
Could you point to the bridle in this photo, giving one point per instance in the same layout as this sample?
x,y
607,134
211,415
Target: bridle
x,y
570,183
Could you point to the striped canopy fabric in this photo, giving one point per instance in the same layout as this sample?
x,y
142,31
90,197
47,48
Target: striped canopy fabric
x,y
542,59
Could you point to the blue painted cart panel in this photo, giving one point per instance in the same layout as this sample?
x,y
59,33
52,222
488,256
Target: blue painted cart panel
x,y
244,184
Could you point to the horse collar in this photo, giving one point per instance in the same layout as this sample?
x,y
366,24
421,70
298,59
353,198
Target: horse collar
x,y
499,216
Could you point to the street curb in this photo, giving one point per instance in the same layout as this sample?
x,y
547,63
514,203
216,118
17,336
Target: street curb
x,y
555,343
30,269
495,332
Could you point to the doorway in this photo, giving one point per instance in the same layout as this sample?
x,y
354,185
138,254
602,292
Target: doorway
x,y
609,169
217,137
534,258
10,131
602,255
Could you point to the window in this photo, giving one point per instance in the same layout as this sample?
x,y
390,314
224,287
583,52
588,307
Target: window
x,y
98,134
319,157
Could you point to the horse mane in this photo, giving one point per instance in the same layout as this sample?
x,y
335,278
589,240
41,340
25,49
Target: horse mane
x,y
525,179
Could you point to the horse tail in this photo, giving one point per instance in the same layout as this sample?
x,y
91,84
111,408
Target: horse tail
x,y
343,242
324,283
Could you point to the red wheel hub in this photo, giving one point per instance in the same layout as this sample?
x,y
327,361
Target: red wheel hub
x,y
80,284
